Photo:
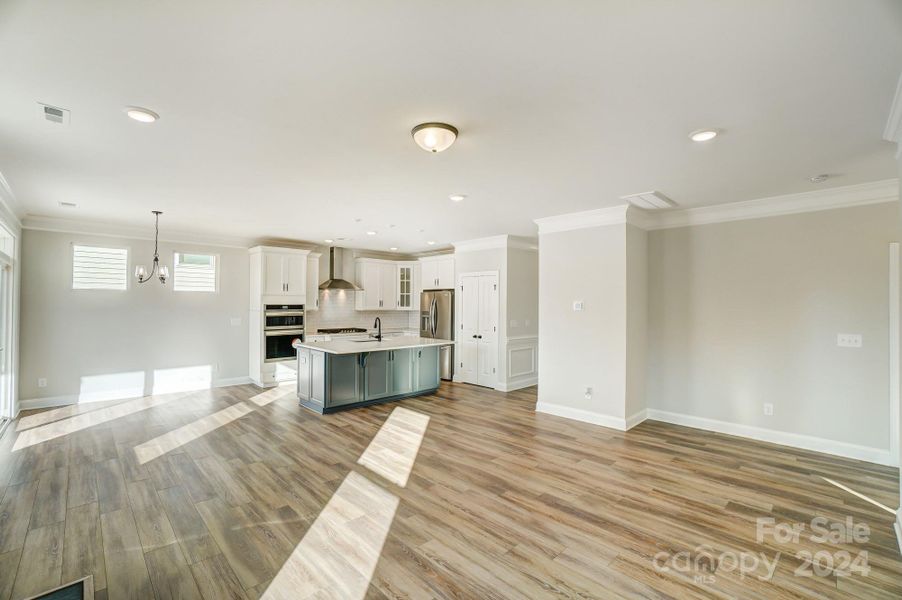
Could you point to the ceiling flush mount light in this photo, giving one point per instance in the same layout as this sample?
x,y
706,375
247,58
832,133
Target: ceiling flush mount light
x,y
140,272
819,178
431,243
434,137
142,115
328,241
371,233
703,135
457,197
393,249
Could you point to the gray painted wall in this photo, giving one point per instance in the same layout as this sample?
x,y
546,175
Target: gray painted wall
x,y
68,335
747,312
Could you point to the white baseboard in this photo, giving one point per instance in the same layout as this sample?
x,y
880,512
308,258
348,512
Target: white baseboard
x,y
578,414
123,394
517,384
636,418
796,440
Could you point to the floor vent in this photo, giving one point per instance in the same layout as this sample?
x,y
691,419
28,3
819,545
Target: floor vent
x,y
54,114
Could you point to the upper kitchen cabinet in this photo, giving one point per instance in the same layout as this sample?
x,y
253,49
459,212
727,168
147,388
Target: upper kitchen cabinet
x,y
312,281
377,280
279,274
406,277
387,285
437,272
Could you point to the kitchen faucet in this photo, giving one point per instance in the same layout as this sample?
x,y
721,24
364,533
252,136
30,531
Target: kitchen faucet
x,y
378,326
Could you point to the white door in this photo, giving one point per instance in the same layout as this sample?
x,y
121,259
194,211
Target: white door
x,y
273,275
487,334
372,282
445,273
388,287
478,330
295,274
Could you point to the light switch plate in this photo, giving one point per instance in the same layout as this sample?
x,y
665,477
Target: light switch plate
x,y
236,321
849,340
578,305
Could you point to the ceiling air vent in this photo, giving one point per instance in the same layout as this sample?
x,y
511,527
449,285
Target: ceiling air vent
x,y
54,114
650,200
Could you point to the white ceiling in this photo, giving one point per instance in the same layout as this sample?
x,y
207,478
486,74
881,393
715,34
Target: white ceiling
x,y
291,119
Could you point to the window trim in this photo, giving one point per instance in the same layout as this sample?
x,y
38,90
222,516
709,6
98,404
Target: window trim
x,y
217,266
128,266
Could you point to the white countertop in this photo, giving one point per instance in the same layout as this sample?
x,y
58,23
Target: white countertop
x,y
345,346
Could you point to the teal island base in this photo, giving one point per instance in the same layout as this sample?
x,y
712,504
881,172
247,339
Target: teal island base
x,y
329,382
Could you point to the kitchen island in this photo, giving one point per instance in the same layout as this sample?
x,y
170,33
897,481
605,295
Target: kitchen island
x,y
347,373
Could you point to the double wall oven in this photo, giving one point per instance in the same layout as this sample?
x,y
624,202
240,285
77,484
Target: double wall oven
x,y
282,325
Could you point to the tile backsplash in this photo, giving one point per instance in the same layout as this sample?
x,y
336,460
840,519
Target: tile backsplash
x,y
336,309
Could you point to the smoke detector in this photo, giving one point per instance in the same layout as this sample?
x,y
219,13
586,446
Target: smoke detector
x,y
54,114
653,200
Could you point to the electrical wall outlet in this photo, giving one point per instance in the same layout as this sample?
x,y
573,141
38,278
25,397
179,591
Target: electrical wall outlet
x,y
236,321
588,393
578,305
42,382
514,323
849,340
769,409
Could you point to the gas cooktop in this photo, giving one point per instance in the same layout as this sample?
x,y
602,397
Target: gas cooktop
x,y
342,330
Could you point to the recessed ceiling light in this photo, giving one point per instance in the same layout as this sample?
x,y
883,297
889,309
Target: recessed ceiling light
x,y
819,178
434,137
431,243
457,197
371,233
65,204
141,114
328,241
703,135
393,248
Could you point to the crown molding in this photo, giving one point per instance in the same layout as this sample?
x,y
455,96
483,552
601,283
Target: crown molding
x,y
826,199
586,219
495,242
893,130
96,228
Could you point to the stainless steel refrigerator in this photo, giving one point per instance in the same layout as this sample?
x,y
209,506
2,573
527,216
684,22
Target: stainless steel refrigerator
x,y
437,321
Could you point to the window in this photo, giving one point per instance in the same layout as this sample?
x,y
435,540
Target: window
x,y
194,273
95,268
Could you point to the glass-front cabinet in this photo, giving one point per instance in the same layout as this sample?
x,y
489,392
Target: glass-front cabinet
x,y
405,287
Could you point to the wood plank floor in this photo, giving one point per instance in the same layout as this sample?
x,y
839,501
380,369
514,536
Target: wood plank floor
x,y
238,493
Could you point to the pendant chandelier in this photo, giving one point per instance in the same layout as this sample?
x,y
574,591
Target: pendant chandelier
x,y
163,271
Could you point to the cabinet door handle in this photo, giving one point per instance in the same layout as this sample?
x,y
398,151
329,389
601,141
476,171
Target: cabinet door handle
x,y
474,335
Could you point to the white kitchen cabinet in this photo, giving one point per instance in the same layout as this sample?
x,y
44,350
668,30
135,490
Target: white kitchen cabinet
x,y
278,273
378,280
312,282
477,343
437,273
406,283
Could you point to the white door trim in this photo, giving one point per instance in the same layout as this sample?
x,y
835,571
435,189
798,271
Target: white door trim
x,y
894,348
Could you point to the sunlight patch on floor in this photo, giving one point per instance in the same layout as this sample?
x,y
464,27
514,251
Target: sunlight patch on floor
x,y
176,438
393,451
79,422
273,394
339,553
182,379
58,414
859,495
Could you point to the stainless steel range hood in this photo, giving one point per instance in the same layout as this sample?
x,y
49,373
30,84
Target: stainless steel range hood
x,y
335,282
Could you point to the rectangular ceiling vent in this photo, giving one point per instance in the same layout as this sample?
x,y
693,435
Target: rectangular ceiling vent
x,y
54,114
650,200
